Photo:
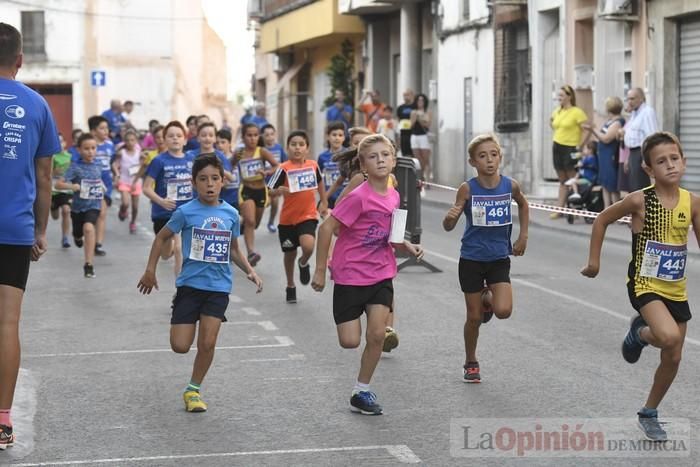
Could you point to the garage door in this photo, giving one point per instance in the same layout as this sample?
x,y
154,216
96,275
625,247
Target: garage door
x,y
690,101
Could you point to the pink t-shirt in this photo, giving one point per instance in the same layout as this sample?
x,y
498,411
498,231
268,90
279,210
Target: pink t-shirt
x,y
363,254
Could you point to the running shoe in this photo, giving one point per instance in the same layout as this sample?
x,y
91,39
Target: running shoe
x,y
291,294
471,373
7,438
391,339
254,258
574,197
65,243
193,402
89,271
132,228
555,215
365,402
632,345
123,211
78,241
271,228
487,309
304,273
651,427
99,251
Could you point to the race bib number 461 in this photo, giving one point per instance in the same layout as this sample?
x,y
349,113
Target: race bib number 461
x,y
491,210
302,179
664,261
211,246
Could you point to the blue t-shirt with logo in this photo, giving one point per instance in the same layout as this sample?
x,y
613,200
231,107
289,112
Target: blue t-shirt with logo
x,y
105,153
192,144
173,177
330,171
89,177
207,233
27,132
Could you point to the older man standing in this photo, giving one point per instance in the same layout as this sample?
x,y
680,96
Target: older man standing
x,y
115,119
29,141
642,123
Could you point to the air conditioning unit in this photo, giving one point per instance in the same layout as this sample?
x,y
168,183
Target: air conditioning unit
x,y
618,9
282,61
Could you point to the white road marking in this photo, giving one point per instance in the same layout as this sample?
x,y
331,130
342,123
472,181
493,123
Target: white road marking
x,y
266,325
290,357
571,298
250,311
235,299
401,452
23,411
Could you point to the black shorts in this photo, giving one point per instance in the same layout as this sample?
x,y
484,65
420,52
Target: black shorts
x,y
189,303
81,218
289,234
60,199
158,224
562,157
257,195
472,274
14,266
349,301
680,311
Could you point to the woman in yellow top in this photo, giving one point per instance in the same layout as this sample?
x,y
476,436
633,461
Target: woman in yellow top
x,y
567,122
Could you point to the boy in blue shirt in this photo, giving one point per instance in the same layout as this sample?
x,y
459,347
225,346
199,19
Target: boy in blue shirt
x,y
84,178
587,174
269,135
99,128
210,228
335,135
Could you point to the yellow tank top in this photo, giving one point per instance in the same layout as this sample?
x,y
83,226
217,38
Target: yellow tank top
x,y
659,251
250,165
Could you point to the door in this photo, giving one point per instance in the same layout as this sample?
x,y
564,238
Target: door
x,y
60,100
551,79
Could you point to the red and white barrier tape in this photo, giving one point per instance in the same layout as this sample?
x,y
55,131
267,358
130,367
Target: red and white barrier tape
x,y
543,207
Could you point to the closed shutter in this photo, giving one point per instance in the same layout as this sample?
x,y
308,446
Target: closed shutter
x,y
690,102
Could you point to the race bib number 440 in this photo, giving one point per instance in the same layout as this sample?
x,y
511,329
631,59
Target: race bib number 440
x,y
91,189
211,246
664,261
250,168
331,173
302,179
491,210
179,190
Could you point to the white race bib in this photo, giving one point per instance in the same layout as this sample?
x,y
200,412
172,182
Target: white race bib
x,y
179,190
250,168
664,261
331,173
134,169
302,179
91,189
210,246
491,210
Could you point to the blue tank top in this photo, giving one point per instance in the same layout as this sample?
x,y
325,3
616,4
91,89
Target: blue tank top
x,y
489,222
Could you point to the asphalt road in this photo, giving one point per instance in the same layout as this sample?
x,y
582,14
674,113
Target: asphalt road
x,y
99,385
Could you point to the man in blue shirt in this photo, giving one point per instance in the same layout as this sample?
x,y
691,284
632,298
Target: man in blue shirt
x,y
115,119
259,118
340,111
29,140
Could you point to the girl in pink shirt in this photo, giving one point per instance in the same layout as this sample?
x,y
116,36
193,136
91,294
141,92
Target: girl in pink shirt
x,y
363,263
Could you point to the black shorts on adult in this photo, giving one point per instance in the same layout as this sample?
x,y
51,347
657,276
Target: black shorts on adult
x,y
14,266
81,218
60,199
289,234
562,157
190,303
158,224
257,195
472,274
680,311
349,301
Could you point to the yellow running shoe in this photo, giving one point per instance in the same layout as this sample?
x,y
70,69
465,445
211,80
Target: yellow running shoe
x,y
391,339
193,402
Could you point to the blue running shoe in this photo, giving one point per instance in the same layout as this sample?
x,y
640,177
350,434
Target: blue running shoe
x,y
651,427
632,345
365,402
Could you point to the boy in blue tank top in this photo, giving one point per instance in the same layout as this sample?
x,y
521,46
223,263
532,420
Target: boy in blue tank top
x,y
209,228
484,263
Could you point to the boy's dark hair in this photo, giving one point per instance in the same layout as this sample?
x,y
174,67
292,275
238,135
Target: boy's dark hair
x,y
152,122
334,125
267,126
656,139
95,120
593,147
84,137
224,134
10,45
157,129
248,125
300,133
206,125
190,119
205,160
175,124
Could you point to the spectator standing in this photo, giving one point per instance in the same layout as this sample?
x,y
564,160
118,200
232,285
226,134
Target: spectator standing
x,y
115,119
371,106
642,124
340,111
387,125
259,118
420,126
403,112
25,190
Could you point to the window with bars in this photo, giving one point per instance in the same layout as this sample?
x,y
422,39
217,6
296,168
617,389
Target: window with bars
x,y
33,35
512,77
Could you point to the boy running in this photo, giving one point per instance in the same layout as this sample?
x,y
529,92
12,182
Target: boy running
x,y
99,128
656,282
297,179
60,199
127,164
335,135
232,183
269,135
484,260
84,179
209,231
363,263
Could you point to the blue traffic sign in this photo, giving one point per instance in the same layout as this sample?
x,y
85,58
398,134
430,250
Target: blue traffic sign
x,y
98,78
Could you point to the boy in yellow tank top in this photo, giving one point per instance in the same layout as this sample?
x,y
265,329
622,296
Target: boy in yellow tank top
x,y
661,216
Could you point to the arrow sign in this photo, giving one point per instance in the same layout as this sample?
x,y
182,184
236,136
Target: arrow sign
x,y
98,78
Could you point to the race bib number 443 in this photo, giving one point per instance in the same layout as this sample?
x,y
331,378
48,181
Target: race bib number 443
x,y
664,261
491,210
302,179
211,246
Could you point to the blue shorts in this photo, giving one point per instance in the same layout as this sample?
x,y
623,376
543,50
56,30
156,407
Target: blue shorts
x,y
189,303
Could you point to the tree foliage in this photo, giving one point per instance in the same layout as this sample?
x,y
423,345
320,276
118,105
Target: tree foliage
x,y
340,73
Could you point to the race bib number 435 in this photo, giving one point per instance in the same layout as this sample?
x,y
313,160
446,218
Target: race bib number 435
x,y
664,261
302,179
211,246
491,210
